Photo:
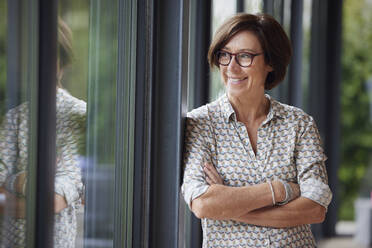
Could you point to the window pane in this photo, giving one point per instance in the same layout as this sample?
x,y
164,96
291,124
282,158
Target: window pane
x,y
253,6
220,12
18,70
89,85
99,169
71,112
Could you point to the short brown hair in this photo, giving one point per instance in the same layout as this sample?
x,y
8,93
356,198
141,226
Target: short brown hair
x,y
64,52
273,40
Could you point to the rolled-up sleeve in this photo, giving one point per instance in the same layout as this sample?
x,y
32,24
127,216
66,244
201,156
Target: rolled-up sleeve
x,y
9,144
196,152
310,161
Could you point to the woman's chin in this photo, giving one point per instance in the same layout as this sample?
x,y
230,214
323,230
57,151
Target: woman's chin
x,y
233,92
235,89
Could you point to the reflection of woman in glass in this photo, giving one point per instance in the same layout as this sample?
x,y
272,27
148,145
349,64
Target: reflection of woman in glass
x,y
14,132
254,167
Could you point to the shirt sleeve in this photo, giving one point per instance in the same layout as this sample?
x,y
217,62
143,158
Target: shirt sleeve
x,y
196,152
8,145
310,160
68,180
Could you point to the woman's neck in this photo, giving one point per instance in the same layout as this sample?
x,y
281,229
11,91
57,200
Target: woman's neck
x,y
250,107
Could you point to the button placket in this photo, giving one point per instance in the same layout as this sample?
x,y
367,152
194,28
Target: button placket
x,y
244,138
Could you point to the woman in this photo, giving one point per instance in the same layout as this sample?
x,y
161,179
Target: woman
x,y
70,130
254,167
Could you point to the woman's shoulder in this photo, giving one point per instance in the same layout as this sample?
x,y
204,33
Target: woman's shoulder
x,y
205,112
292,113
70,105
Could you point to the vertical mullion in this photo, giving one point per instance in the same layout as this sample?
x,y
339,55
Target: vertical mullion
x,y
46,144
31,77
295,70
202,40
143,123
169,104
268,6
325,71
125,123
333,85
200,36
239,6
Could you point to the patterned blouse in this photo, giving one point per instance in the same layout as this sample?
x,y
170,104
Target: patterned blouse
x,y
288,148
14,135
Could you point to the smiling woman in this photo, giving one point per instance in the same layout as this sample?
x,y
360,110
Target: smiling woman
x,y
254,167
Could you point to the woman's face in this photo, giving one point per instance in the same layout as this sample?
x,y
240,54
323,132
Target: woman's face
x,y
239,80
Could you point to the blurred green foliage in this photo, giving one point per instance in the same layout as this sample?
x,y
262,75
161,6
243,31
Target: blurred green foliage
x,y
356,100
76,15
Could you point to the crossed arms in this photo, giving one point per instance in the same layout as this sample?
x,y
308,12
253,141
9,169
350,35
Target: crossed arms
x,y
254,204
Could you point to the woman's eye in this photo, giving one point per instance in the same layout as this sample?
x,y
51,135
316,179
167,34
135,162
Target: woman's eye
x,y
244,56
224,55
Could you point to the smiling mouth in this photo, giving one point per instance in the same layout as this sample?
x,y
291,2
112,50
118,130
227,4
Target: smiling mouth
x,y
236,80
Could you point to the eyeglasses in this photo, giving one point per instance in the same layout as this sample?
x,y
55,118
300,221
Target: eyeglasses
x,y
244,59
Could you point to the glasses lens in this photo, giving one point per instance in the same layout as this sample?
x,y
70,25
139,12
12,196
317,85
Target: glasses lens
x,y
244,59
223,58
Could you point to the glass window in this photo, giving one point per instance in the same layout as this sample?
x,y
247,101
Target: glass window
x,y
71,115
87,125
221,10
18,58
306,25
88,163
253,6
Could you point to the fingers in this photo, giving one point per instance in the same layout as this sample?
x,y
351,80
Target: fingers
x,y
209,181
212,176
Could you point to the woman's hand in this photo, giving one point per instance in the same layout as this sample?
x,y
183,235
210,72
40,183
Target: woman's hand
x,y
211,174
59,203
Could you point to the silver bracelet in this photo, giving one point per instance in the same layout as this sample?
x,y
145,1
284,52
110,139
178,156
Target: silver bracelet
x,y
288,193
272,192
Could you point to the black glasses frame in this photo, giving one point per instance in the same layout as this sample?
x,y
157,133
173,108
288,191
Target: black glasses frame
x,y
252,55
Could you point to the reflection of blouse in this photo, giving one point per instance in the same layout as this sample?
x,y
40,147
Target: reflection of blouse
x,y
288,148
70,121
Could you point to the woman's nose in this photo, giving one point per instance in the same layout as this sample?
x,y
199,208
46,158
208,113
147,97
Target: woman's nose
x,y
233,66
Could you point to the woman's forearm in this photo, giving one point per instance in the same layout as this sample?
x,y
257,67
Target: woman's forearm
x,y
224,202
298,212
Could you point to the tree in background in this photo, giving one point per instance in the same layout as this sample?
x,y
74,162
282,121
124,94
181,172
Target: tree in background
x,y
356,104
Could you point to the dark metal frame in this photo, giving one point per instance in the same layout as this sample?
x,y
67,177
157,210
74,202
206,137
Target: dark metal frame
x,y
190,233
143,123
125,100
169,89
295,70
202,38
325,77
160,106
240,6
46,146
